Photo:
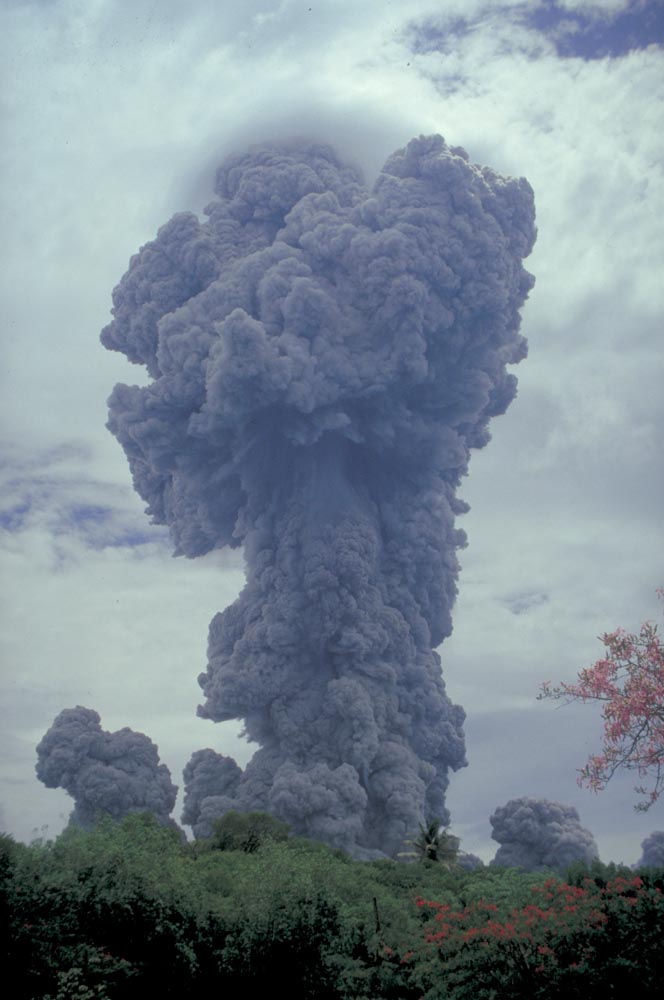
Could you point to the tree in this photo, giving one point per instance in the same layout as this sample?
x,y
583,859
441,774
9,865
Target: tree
x,y
629,682
236,831
434,844
554,939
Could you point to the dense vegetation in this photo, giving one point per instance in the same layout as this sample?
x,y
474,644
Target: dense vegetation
x,y
129,908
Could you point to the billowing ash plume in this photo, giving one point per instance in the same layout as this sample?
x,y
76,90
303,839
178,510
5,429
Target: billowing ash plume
x,y
211,784
105,773
535,834
323,358
469,862
652,851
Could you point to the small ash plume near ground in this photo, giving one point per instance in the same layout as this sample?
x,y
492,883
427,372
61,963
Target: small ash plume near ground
x,y
469,862
652,851
535,834
105,773
323,358
211,782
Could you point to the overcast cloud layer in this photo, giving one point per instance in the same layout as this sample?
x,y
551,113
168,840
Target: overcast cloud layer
x,y
116,118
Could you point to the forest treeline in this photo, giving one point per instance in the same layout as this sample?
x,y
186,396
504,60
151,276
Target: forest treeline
x,y
129,907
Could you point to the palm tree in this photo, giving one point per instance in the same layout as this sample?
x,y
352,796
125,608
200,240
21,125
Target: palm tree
x,y
434,843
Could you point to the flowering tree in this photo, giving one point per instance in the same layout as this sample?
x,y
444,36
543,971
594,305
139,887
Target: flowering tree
x,y
629,681
567,940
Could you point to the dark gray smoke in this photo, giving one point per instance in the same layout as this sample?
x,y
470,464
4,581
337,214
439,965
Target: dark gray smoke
x,y
211,783
105,773
469,862
652,851
535,834
323,359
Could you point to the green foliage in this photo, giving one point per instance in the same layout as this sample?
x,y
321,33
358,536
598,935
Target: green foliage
x,y
290,946
576,941
236,831
129,909
110,908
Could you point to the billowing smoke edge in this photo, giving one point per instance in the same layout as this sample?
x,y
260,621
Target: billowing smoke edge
x,y
536,835
323,359
107,774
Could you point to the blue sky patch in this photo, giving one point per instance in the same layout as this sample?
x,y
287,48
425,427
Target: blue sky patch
x,y
589,35
13,518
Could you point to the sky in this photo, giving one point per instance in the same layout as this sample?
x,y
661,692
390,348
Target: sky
x,y
115,117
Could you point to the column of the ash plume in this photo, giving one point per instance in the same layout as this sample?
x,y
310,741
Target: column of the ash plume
x,y
323,358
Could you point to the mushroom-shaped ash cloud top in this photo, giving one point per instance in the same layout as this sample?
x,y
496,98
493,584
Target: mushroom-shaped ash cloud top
x,y
535,834
105,773
323,358
652,851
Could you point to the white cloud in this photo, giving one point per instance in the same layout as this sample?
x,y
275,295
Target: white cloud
x,y
600,9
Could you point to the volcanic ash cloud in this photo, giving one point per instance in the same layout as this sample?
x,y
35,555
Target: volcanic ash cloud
x,y
652,851
110,774
323,358
536,834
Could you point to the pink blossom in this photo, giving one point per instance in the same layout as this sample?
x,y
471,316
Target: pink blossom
x,y
629,682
